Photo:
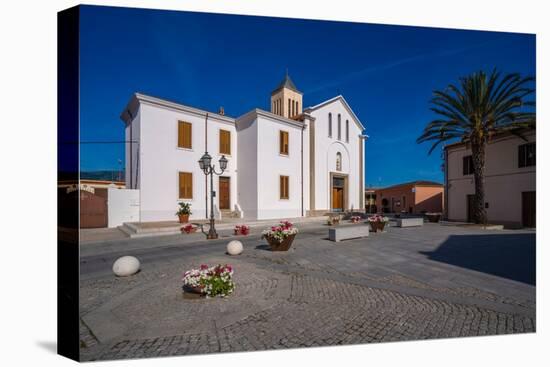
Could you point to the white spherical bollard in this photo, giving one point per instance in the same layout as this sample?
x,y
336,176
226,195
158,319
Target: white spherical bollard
x,y
234,247
125,266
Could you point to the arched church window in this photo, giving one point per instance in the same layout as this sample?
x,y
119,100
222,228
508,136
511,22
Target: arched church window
x,y
289,107
338,161
330,125
339,127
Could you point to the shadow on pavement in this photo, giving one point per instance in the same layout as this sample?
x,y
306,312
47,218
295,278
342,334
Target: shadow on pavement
x,y
509,256
263,247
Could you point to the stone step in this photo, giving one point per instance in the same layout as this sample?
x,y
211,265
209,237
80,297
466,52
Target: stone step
x,y
227,213
150,229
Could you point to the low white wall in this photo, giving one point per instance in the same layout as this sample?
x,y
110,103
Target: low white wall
x,y
122,206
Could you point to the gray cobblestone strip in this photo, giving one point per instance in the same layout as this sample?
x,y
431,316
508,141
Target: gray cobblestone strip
x,y
322,312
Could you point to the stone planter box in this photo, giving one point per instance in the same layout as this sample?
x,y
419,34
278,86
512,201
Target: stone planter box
x,y
410,222
346,233
377,226
280,246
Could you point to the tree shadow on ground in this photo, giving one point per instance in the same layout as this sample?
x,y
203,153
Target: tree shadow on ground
x,y
510,256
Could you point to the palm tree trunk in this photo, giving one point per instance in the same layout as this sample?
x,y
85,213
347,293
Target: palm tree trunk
x,y
478,158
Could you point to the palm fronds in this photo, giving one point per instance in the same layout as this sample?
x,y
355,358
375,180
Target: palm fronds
x,y
480,106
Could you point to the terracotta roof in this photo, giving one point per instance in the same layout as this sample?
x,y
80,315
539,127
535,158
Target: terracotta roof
x,y
496,136
414,183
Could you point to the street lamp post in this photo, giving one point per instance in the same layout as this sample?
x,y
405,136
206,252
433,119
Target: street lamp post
x,y
210,169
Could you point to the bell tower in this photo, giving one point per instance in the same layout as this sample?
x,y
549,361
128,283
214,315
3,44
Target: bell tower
x,y
286,99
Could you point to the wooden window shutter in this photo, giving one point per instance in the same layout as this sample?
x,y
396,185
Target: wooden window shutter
x,y
185,132
286,142
186,185
283,142
286,187
225,142
283,185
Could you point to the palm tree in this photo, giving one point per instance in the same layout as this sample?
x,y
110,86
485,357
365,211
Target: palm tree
x,y
474,111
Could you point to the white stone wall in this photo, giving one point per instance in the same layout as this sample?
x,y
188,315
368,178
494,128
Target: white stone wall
x,y
261,165
132,133
161,160
247,196
325,154
122,206
504,181
271,165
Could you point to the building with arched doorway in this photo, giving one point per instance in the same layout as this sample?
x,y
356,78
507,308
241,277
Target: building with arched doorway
x,y
288,162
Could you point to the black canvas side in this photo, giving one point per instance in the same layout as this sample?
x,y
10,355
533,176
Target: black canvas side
x,y
68,167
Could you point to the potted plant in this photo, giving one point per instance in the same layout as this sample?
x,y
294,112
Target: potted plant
x,y
241,229
333,220
433,217
355,218
377,222
209,281
280,237
183,212
189,228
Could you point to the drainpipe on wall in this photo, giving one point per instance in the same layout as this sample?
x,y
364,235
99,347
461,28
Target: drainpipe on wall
x,y
131,139
205,176
302,166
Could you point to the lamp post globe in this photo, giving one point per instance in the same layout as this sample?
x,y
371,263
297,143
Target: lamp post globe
x,y
205,161
223,163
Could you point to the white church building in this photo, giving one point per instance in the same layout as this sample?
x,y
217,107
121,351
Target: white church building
x,y
285,163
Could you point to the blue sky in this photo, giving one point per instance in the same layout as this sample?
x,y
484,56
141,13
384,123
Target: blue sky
x,y
386,73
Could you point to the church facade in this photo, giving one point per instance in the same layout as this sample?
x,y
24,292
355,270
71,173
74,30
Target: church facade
x,y
285,163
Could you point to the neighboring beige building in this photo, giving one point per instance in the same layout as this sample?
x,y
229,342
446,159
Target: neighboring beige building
x,y
510,180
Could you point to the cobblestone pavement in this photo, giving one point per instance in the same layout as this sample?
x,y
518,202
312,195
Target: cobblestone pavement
x,y
313,295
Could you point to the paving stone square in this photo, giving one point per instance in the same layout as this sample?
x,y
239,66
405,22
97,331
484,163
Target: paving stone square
x,y
414,283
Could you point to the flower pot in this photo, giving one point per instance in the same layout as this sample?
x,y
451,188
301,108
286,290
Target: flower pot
x,y
333,221
236,232
189,231
377,226
192,292
433,218
184,218
280,246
